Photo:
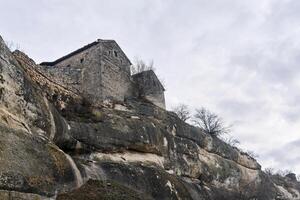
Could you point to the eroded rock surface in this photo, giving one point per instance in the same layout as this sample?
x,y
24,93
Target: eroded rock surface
x,y
30,161
54,142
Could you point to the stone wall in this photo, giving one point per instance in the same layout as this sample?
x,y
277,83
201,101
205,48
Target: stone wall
x,y
157,99
99,72
150,87
67,76
115,83
77,71
112,53
116,79
40,78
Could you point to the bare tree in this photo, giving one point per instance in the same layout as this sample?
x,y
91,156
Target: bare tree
x,y
182,112
298,178
210,123
140,66
12,46
269,171
231,141
283,172
252,154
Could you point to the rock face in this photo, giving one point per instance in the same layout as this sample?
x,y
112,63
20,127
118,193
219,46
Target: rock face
x,y
56,144
30,162
94,189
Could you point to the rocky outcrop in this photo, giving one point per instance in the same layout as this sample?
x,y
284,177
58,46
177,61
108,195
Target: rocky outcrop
x,y
54,143
30,162
94,189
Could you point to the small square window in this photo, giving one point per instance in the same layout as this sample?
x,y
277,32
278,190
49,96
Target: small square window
x,y
81,60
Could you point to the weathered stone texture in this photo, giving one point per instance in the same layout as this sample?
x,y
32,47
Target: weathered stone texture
x,y
13,195
113,54
150,87
40,78
99,72
157,99
115,84
77,71
133,147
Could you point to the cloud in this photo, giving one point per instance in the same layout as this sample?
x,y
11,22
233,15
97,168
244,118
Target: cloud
x,y
238,58
285,157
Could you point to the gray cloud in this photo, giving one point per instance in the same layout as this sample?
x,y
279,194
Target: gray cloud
x,y
238,58
280,157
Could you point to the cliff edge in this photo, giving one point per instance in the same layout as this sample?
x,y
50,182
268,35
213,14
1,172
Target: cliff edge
x,y
56,144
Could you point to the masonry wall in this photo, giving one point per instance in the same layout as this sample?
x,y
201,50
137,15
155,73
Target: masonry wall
x,y
38,77
150,87
66,76
112,53
157,99
116,79
72,71
97,73
115,84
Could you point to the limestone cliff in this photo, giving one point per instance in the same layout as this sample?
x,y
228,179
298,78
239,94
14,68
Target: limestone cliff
x,y
57,145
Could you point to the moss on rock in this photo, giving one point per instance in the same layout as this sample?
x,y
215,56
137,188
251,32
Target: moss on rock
x,y
94,190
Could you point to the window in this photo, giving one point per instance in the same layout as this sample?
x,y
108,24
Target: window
x,y
116,53
81,60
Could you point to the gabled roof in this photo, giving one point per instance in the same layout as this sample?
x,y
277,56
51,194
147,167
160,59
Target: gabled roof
x,y
148,75
81,50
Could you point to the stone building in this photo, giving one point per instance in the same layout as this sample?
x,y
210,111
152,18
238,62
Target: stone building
x,y
100,71
150,88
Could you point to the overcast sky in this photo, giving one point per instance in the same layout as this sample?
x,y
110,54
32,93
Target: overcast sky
x,y
239,58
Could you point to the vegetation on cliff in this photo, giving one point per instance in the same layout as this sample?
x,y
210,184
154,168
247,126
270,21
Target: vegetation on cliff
x,y
55,142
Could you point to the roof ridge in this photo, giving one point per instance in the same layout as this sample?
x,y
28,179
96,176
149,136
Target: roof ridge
x,y
82,49
71,54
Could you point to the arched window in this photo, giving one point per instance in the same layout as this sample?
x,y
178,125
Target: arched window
x,y
116,53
